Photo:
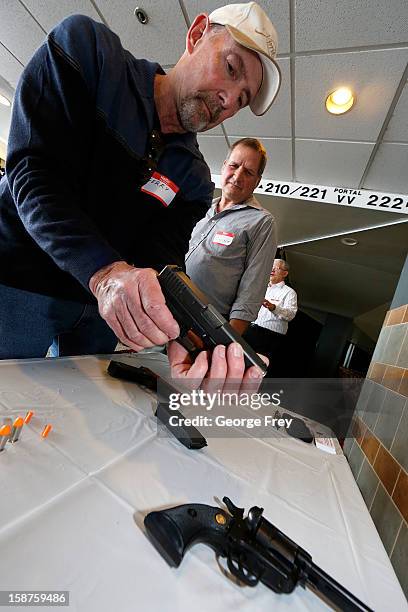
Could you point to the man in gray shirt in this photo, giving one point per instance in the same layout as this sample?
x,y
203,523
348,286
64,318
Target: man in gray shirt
x,y
232,249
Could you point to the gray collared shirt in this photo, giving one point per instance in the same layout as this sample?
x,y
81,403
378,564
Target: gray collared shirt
x,y
231,255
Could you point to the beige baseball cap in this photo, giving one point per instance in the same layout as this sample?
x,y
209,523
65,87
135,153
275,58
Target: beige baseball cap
x,y
249,25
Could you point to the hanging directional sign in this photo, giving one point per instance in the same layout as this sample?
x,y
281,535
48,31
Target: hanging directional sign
x,y
342,196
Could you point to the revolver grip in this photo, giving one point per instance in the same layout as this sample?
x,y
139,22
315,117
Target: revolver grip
x,y
174,530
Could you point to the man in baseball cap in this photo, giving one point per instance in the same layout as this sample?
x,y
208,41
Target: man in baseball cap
x,y
249,25
228,63
87,245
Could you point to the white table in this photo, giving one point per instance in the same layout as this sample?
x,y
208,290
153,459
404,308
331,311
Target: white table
x,y
72,505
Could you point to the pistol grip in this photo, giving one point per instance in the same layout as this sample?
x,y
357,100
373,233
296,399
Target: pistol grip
x,y
172,531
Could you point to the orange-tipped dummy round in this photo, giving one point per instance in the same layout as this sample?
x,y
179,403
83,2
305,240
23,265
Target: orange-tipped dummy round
x,y
28,417
46,431
18,422
5,430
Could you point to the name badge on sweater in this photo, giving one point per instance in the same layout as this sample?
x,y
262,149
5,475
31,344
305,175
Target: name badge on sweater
x,y
161,188
223,238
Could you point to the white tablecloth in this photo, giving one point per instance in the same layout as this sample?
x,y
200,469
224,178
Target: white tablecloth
x,y
72,505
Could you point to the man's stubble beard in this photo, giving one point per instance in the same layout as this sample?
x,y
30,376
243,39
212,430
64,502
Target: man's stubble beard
x,y
193,117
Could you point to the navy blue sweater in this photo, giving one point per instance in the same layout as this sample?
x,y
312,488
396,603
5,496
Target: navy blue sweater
x,y
71,199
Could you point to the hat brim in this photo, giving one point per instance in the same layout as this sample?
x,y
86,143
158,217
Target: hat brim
x,y
269,89
271,77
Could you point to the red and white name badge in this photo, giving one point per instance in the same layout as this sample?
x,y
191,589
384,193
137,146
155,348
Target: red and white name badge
x,y
161,188
223,238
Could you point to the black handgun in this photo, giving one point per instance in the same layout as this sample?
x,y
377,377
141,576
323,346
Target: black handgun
x,y
255,549
192,310
188,435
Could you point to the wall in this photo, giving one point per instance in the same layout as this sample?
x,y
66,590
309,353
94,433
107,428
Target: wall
x,y
330,345
378,455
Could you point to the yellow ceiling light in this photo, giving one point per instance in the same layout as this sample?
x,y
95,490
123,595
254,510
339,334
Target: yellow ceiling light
x,y
4,100
340,101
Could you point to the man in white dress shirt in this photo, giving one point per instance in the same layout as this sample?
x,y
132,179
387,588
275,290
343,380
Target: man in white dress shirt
x,y
267,333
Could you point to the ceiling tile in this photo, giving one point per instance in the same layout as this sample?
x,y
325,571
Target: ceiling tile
x,y
373,76
161,40
277,11
10,69
5,117
5,88
304,220
323,24
397,129
48,14
370,248
275,123
388,171
279,152
19,32
352,292
331,163
216,131
214,149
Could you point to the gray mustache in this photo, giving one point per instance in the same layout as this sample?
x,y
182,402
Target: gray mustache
x,y
213,106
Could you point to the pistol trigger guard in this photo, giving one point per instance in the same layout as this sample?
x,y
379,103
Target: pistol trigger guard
x,y
239,572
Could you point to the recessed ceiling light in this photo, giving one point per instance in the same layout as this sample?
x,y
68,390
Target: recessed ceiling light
x,y
4,100
349,241
340,101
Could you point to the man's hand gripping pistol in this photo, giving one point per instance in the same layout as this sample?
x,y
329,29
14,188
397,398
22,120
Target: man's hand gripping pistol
x,y
193,312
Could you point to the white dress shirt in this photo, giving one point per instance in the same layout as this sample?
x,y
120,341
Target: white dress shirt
x,y
285,299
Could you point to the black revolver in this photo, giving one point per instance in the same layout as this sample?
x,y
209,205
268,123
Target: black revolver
x,y
192,311
255,549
